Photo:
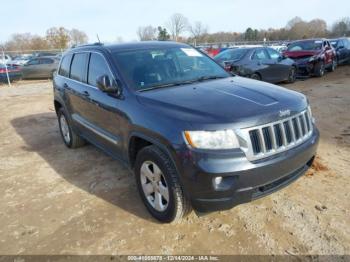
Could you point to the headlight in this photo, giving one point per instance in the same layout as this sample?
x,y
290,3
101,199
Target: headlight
x,y
223,139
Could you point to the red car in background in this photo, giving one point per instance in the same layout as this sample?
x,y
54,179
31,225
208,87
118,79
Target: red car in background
x,y
312,56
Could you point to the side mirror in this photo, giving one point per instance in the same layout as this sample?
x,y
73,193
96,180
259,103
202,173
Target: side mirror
x,y
280,58
106,85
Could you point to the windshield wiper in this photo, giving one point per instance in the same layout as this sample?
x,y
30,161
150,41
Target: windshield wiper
x,y
200,79
169,85
203,78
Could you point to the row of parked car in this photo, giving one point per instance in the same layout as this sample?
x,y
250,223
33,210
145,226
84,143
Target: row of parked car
x,y
298,58
28,66
273,64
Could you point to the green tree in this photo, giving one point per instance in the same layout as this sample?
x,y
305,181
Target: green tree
x,y
163,34
249,34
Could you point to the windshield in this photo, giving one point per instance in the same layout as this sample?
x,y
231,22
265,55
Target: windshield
x,y
231,54
305,45
155,68
334,43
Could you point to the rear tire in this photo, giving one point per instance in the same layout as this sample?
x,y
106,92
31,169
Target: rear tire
x,y
319,69
70,138
159,186
255,76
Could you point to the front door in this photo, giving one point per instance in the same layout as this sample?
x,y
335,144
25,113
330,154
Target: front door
x,y
103,110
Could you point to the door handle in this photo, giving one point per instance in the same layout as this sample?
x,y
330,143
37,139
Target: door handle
x,y
86,93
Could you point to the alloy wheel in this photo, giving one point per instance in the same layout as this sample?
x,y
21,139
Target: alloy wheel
x,y
64,129
154,186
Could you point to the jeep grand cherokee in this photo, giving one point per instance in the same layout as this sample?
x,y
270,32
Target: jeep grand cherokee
x,y
194,135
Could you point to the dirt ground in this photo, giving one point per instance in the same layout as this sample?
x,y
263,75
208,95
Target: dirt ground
x,y
59,201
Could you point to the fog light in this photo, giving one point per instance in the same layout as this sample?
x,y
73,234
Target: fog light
x,y
218,180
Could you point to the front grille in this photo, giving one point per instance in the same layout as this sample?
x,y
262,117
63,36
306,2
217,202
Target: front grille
x,y
278,136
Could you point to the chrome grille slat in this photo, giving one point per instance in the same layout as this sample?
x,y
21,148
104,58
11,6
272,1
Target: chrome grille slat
x,y
292,129
284,138
262,140
299,127
273,137
276,137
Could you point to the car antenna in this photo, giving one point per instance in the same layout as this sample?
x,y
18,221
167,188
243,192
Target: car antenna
x,y
98,39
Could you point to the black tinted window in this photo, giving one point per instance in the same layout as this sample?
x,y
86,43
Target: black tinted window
x,y
46,61
33,62
65,64
150,68
347,43
78,67
97,67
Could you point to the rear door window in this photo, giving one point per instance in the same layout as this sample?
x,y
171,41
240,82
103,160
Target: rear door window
x,y
78,67
46,61
97,67
260,54
65,64
33,62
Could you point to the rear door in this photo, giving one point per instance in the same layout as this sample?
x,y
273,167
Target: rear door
x,y
262,64
75,87
31,69
45,67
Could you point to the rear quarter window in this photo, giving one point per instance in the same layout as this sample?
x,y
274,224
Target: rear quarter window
x,y
65,64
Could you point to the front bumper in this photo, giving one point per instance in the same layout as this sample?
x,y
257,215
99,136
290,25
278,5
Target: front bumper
x,y
242,181
305,68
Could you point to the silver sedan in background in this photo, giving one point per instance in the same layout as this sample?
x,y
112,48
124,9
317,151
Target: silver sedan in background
x,y
40,67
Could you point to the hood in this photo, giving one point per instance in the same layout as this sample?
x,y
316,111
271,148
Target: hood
x,y
229,100
301,54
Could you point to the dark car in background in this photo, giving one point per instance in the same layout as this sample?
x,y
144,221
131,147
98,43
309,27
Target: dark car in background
x,y
260,63
40,67
312,56
194,135
342,49
14,73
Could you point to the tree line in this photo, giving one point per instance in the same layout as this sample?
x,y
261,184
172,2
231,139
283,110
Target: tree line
x,y
55,38
178,28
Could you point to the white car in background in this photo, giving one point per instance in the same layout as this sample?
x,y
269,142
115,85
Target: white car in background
x,y
279,48
5,59
21,59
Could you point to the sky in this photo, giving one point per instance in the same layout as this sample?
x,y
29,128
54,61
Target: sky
x,y
121,18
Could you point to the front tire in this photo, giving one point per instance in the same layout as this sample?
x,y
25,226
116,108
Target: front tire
x,y
292,75
333,66
70,138
159,186
319,69
255,76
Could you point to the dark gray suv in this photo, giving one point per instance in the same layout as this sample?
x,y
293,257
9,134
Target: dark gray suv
x,y
194,135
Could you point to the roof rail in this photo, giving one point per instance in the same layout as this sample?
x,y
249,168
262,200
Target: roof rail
x,y
93,44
